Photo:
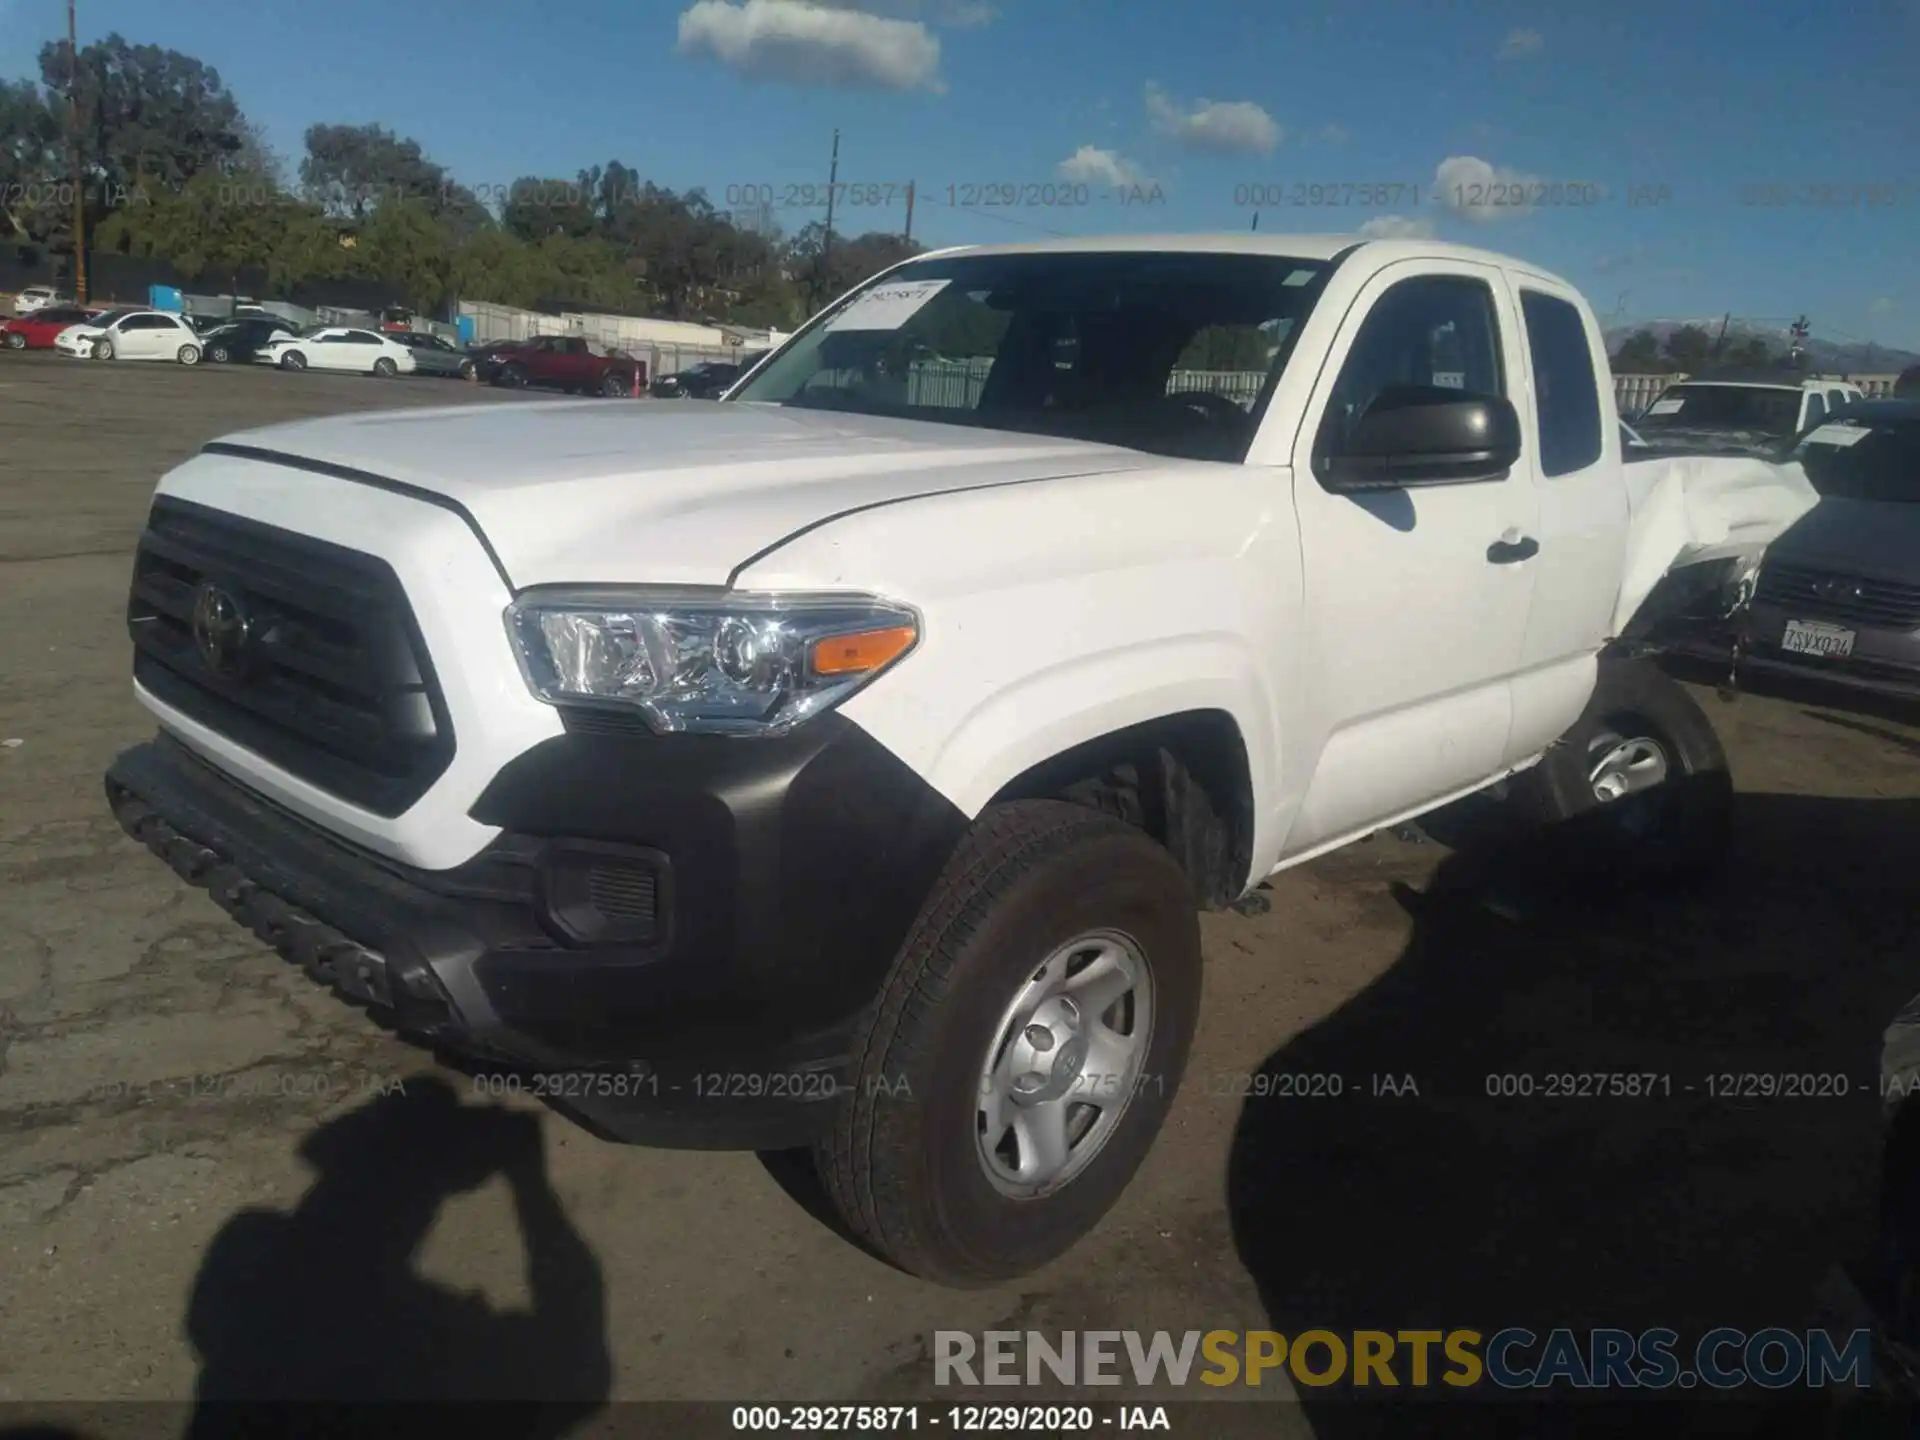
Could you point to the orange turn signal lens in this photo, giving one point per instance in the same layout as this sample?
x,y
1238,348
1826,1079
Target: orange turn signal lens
x,y
861,651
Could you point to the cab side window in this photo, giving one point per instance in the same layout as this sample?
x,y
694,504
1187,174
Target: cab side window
x,y
1564,388
1816,409
1435,332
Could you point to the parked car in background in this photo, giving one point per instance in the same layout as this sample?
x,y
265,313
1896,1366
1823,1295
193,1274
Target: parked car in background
x,y
1741,412
39,330
706,381
434,356
1838,595
132,334
571,363
239,341
339,347
38,297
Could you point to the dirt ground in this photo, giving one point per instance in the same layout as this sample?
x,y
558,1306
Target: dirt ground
x,y
161,1074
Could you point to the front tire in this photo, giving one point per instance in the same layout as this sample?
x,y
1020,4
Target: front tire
x,y
511,377
293,360
102,350
1024,1049
612,386
16,341
218,355
1640,784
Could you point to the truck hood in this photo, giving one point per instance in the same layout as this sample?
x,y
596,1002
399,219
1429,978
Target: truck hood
x,y
1873,538
605,492
1690,510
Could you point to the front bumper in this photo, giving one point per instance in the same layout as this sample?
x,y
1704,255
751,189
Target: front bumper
x,y
1884,661
781,875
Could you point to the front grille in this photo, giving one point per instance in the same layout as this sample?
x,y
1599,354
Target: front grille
x,y
1832,594
330,680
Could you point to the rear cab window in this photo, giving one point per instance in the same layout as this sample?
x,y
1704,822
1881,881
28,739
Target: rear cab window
x,y
1566,392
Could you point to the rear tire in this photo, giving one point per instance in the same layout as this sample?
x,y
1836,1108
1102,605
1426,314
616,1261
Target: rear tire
x,y
16,341
385,369
1639,786
189,355
917,1163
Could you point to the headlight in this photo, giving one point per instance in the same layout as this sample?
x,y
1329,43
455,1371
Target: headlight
x,y
714,663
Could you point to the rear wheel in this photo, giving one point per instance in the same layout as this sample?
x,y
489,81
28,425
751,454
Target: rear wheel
x,y
1640,783
189,355
1023,1051
293,360
385,369
16,341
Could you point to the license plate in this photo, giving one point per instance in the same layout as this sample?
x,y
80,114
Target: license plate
x,y
1816,637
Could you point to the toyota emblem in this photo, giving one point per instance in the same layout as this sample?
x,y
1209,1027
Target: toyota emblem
x,y
220,628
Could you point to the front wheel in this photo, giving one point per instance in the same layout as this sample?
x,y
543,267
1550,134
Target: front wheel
x,y
512,377
1640,783
1023,1050
385,369
612,385
293,360
467,371
189,355
16,341
102,350
218,355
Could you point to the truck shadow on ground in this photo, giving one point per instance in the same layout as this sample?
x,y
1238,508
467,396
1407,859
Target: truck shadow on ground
x,y
323,1303
1689,1208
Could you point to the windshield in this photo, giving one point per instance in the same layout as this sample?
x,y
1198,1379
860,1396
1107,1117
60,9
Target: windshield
x,y
1863,460
112,317
1775,410
1168,352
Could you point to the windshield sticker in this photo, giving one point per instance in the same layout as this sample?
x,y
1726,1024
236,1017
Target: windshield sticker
x,y
887,307
1665,407
1299,277
1837,435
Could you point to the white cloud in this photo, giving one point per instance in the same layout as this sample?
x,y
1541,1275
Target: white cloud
x,y
812,44
1480,191
1224,127
960,14
1883,305
1520,43
1090,165
1397,227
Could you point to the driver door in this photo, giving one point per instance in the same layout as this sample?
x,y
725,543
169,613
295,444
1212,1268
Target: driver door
x,y
1416,598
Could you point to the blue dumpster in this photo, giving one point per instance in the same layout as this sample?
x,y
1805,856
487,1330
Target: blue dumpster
x,y
165,297
465,326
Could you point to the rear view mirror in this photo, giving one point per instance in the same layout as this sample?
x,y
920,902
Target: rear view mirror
x,y
1424,435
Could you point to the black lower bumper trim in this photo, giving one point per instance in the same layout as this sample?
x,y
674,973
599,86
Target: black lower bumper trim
x,y
729,1025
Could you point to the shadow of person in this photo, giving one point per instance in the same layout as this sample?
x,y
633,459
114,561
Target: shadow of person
x,y
323,1305
1465,1192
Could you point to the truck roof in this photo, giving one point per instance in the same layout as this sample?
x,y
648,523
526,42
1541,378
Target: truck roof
x,y
1248,242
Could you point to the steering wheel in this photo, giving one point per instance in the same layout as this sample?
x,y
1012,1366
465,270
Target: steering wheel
x,y
1207,405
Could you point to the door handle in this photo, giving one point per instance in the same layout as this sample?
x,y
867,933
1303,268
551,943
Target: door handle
x,y
1512,552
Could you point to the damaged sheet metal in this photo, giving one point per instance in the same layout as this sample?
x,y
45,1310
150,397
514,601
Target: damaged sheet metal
x,y
1689,510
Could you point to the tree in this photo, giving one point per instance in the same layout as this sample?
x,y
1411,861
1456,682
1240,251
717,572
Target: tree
x,y
826,273
1639,354
1754,352
351,170
150,119
31,164
536,208
1687,349
404,244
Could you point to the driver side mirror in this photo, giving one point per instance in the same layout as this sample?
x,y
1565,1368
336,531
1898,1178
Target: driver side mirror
x,y
1424,435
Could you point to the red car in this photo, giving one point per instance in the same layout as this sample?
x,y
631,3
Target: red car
x,y
570,362
37,331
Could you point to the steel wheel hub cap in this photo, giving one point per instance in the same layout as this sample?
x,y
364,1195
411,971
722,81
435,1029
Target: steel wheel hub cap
x,y
1626,767
1064,1063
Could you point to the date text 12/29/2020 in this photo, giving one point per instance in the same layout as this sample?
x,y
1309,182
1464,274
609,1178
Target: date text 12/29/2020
x,y
972,195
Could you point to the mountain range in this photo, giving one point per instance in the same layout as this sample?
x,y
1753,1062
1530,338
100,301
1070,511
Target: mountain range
x,y
1824,356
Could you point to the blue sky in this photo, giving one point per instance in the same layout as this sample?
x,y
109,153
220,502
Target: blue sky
x,y
1674,114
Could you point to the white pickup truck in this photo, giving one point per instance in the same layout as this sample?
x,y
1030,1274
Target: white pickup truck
x,y
842,763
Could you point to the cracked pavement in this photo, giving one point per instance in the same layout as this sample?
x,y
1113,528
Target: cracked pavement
x,y
161,1073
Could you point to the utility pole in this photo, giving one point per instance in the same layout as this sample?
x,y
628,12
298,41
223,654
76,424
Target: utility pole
x,y
73,134
1256,220
1720,340
826,242
908,236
